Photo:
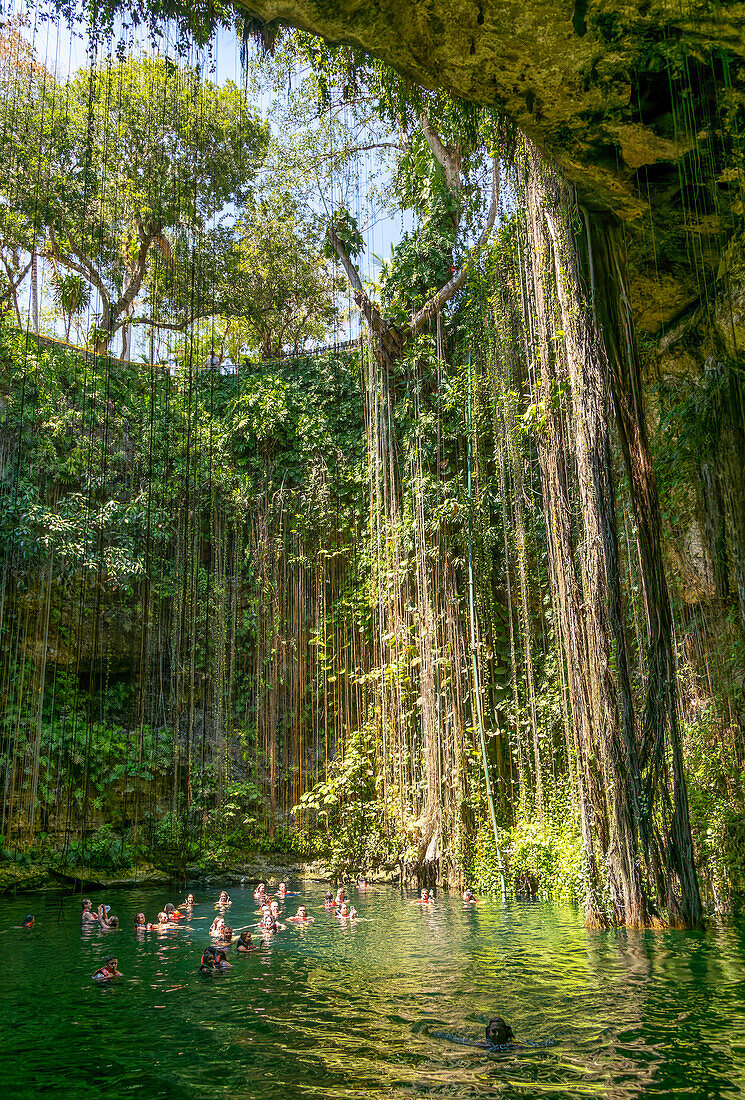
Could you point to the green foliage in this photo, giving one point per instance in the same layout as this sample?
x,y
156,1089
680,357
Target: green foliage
x,y
348,805
346,228
174,841
545,862
104,850
716,796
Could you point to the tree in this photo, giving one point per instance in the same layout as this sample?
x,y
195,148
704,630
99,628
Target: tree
x,y
72,294
284,288
109,165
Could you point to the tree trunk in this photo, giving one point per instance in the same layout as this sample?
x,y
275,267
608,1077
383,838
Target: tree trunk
x,y
660,734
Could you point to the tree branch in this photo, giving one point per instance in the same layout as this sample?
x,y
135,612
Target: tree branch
x,y
435,304
138,272
75,261
447,156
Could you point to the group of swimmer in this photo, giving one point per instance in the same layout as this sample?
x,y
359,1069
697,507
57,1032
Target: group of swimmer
x,y
214,957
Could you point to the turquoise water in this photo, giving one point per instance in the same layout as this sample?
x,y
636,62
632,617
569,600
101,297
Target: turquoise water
x,y
352,1012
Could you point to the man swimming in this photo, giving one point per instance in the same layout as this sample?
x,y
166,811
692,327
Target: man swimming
x,y
499,1032
302,916
225,937
468,896
498,1036
108,970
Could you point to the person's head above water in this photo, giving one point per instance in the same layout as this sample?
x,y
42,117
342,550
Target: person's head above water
x,y
29,921
498,1032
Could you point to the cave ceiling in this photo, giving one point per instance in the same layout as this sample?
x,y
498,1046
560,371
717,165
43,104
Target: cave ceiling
x,y
629,100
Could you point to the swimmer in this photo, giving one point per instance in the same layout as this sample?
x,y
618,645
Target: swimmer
x,y
221,961
268,922
340,896
207,961
103,915
469,897
282,890
346,912
214,958
113,922
226,936
172,913
498,1034
362,883
329,900
89,915
29,922
245,943
217,926
259,891
224,898
302,916
274,909
426,898
108,970
189,903
140,923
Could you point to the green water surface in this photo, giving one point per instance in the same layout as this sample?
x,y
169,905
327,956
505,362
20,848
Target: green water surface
x,y
372,1009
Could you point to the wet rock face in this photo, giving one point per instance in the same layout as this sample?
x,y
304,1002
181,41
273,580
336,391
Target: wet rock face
x,y
631,100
